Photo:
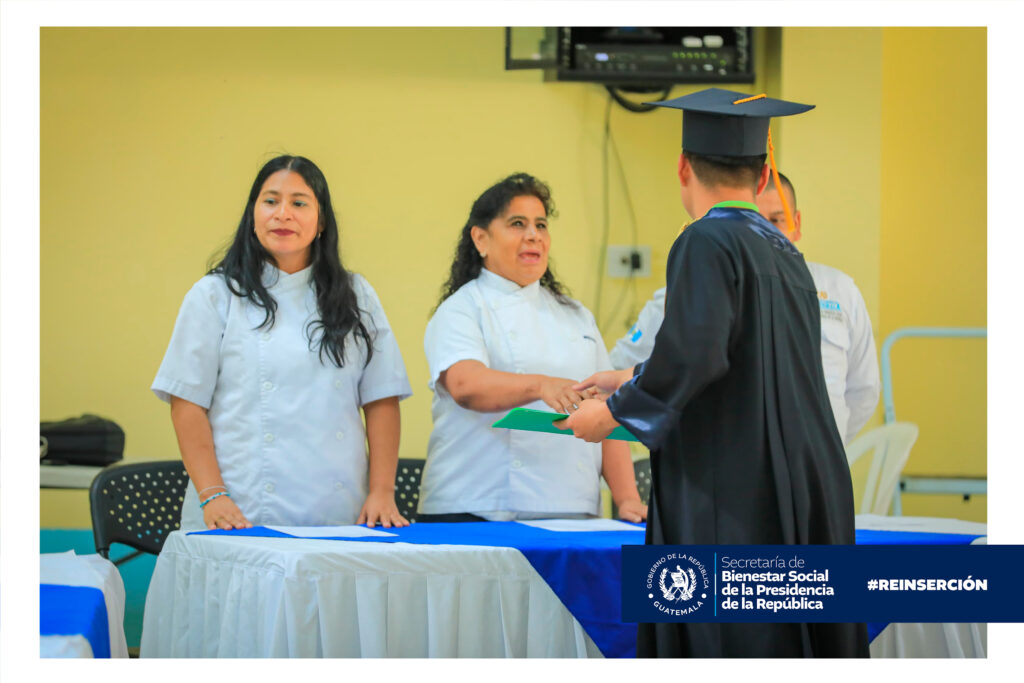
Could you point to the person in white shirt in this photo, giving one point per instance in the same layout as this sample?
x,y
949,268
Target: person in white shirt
x,y
848,352
635,346
505,335
847,344
273,355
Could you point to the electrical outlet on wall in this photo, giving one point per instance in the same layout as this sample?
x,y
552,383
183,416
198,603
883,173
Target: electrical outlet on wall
x,y
626,260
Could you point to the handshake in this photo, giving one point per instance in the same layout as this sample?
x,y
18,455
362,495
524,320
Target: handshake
x,y
584,402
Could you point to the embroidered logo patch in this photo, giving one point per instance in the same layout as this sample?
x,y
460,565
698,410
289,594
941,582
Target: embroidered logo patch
x,y
830,308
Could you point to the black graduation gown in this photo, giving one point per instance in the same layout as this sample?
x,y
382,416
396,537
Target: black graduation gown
x,y
733,406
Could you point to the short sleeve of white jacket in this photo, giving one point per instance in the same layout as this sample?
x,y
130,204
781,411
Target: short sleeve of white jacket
x,y
190,365
454,334
384,375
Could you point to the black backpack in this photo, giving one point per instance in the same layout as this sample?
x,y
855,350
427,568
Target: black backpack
x,y
86,440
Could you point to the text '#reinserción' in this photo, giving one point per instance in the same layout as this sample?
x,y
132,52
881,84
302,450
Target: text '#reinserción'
x,y
968,584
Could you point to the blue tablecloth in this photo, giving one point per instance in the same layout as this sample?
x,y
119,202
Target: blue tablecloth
x,y
73,611
881,537
583,568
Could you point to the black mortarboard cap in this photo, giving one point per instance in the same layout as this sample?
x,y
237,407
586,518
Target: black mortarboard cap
x,y
727,123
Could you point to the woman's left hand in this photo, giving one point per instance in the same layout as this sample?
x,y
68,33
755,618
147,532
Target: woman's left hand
x,y
380,508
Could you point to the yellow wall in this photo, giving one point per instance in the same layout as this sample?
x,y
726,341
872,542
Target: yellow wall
x,y
151,137
933,256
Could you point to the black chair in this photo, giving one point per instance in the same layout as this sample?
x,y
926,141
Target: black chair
x,y
407,486
137,504
642,472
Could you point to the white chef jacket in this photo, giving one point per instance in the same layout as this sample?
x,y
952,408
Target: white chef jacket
x,y
847,350
847,347
287,429
472,467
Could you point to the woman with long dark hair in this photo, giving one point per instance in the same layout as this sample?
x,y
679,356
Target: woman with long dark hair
x,y
274,353
506,334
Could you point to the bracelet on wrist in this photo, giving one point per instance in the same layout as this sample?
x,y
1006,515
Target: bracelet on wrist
x,y
210,488
216,495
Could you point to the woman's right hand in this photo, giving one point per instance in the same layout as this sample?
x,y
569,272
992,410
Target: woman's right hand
x,y
559,394
222,513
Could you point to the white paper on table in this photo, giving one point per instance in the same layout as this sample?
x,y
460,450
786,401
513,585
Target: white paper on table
x,y
581,525
350,531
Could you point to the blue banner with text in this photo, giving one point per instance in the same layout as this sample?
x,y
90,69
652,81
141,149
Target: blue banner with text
x,y
818,583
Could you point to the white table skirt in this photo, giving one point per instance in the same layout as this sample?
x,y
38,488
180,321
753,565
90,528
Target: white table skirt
x,y
69,569
218,596
64,647
931,640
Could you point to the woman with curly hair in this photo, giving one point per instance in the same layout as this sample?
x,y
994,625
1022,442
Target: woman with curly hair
x,y
274,354
506,334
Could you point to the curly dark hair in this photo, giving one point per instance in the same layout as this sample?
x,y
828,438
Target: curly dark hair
x,y
492,203
242,267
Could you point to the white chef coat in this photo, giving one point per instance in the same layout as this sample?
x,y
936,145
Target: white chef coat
x,y
847,347
287,429
472,467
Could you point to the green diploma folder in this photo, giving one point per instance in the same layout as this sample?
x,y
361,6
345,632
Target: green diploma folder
x,y
541,421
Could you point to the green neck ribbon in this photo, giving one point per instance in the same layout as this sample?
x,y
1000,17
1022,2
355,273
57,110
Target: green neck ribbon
x,y
736,204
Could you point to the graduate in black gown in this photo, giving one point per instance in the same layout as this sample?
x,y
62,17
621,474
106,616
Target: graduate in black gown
x,y
732,402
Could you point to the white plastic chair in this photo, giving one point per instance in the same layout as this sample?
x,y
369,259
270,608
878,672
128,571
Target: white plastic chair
x,y
891,444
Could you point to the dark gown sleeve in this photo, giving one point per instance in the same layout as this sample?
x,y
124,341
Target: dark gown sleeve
x,y
691,348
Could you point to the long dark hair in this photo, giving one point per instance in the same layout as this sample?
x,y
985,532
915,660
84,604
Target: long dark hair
x,y
492,203
242,267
